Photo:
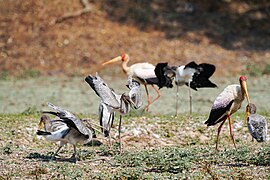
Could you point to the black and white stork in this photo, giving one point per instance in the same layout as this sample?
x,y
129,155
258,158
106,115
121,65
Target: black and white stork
x,y
193,75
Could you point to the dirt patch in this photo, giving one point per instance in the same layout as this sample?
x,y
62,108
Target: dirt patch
x,y
229,35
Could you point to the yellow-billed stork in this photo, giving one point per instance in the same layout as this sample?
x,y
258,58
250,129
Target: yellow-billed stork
x,y
227,103
143,72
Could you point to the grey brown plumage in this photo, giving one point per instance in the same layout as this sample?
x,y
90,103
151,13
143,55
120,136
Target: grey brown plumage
x,y
106,118
66,129
115,102
257,124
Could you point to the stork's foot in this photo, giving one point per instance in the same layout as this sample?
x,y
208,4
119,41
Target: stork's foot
x,y
73,158
53,158
146,109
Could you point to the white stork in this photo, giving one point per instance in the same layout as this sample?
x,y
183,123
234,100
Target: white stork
x,y
143,72
257,124
227,103
193,75
66,129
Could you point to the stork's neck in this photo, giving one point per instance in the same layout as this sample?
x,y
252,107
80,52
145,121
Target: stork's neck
x,y
125,66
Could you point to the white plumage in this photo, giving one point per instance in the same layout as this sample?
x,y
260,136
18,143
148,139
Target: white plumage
x,y
143,72
227,103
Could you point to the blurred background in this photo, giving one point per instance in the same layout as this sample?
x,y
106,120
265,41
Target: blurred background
x,y
47,47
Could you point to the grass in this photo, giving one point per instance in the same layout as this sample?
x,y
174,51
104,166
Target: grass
x,y
157,145
22,95
187,152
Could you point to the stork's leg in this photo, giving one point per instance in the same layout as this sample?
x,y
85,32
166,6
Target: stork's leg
x,y
148,98
56,152
231,132
73,158
177,96
110,142
158,94
219,128
190,99
119,131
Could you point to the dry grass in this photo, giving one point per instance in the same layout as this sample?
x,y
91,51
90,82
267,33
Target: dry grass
x,y
154,147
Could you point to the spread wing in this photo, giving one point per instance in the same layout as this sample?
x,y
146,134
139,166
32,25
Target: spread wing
x,y
60,112
77,125
69,119
106,94
201,75
135,93
165,75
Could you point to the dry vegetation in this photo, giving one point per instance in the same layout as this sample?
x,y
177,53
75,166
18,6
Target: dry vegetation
x,y
154,147
233,35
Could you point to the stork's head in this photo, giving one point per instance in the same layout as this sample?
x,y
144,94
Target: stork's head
x,y
123,58
242,78
43,120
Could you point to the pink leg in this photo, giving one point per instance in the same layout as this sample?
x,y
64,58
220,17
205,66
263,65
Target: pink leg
x,y
231,132
148,98
158,94
219,128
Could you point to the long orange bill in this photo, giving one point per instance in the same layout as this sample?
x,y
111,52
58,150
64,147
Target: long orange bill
x,y
118,58
244,86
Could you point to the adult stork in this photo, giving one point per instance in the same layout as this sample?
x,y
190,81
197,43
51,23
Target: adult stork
x,y
193,75
66,129
115,102
143,72
227,103
257,124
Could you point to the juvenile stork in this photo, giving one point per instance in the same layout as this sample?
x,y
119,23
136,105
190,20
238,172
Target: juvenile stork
x,y
143,72
66,129
257,124
193,75
106,117
227,103
114,102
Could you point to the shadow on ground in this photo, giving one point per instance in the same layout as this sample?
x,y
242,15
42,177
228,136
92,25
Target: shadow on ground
x,y
232,25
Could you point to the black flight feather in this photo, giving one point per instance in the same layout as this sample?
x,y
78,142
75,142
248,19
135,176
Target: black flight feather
x,y
201,77
218,115
163,80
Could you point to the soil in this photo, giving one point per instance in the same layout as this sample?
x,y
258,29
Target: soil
x,y
231,35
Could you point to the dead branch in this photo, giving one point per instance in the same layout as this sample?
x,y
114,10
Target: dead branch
x,y
80,12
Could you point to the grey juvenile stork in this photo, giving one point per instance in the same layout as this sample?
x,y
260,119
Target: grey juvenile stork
x,y
143,72
115,102
106,117
227,103
257,124
66,129
193,75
